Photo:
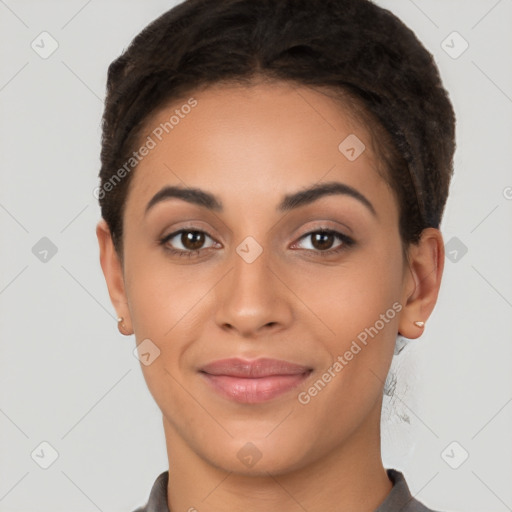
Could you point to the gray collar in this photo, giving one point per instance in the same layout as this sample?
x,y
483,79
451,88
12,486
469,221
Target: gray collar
x,y
399,498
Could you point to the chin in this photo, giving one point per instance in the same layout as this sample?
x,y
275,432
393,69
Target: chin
x,y
255,455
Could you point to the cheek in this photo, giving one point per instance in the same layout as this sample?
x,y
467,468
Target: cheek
x,y
169,305
361,308
351,297
360,305
164,309
162,295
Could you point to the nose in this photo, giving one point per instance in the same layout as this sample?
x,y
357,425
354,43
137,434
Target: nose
x,y
253,299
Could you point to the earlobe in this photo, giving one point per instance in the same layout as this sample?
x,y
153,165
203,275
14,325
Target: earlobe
x,y
422,281
122,328
113,272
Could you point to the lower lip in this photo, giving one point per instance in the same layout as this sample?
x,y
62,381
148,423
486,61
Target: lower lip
x,y
254,391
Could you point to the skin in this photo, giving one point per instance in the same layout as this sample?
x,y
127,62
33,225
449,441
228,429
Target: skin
x,y
250,146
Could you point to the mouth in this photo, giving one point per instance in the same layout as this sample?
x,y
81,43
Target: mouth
x,y
253,382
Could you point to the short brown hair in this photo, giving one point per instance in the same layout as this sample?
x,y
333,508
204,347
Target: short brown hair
x,y
353,47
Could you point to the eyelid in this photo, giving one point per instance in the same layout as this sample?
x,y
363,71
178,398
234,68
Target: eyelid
x,y
191,225
324,225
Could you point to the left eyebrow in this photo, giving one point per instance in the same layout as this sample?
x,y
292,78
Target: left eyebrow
x,y
289,202
309,195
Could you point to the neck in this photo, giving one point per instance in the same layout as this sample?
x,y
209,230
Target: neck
x,y
351,477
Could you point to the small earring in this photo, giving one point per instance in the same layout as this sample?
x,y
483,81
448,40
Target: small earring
x,y
120,326
419,324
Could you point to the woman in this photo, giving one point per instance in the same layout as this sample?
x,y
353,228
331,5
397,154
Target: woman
x,y
273,179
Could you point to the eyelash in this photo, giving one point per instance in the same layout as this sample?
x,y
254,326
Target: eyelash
x,y
347,242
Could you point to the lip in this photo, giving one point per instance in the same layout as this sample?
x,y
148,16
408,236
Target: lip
x,y
253,381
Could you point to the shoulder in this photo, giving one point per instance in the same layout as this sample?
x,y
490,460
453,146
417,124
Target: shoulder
x,y
157,501
400,497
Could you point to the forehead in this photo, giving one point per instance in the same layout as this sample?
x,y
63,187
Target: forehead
x,y
257,142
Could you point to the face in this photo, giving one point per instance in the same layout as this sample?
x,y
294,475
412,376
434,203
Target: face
x,y
263,262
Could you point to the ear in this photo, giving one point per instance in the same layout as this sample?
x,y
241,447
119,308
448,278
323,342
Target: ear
x,y
422,280
113,272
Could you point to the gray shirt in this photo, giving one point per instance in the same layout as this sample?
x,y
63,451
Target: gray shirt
x,y
399,498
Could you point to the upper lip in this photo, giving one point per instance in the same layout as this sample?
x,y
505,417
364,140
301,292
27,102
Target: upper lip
x,y
257,368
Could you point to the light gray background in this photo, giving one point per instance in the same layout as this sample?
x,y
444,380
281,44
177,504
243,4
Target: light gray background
x,y
69,378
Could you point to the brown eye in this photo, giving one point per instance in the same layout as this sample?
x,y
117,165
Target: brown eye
x,y
187,241
322,240
325,241
192,240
